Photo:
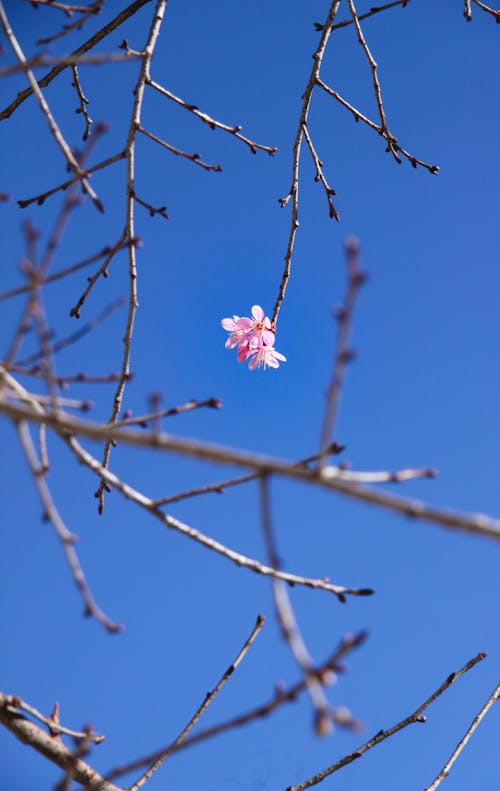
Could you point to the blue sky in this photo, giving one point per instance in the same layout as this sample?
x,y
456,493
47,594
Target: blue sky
x,y
423,391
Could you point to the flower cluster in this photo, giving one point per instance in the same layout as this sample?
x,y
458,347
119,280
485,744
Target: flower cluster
x,y
253,339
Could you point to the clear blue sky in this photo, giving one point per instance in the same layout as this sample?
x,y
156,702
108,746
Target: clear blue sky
x,y
423,391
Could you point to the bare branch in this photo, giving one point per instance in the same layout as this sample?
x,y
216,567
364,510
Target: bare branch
x,y
343,353
281,696
293,193
15,703
53,749
207,119
88,45
463,741
178,153
56,132
328,478
209,697
382,735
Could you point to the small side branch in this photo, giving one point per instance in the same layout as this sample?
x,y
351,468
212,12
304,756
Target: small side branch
x,y
460,746
209,697
293,193
56,132
212,123
494,13
417,716
281,696
15,704
320,176
53,749
65,537
343,352
358,116
178,153
82,102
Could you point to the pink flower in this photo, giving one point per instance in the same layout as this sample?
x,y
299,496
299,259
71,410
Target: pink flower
x,y
238,329
266,356
253,339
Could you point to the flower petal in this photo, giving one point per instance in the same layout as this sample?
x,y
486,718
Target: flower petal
x,y
257,313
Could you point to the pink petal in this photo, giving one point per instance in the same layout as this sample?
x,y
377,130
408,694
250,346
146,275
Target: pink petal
x,y
279,356
268,337
257,313
228,324
253,362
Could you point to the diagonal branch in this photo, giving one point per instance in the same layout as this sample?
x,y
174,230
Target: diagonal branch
x,y
56,132
463,741
382,735
293,193
209,697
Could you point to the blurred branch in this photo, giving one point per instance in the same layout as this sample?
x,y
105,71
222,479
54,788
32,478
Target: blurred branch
x,y
323,721
147,504
72,163
14,704
327,477
42,196
460,746
343,352
14,292
143,420
74,336
281,696
38,61
51,748
66,538
382,735
209,697
88,45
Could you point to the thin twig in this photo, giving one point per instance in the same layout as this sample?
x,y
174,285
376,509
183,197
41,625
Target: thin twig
x,y
343,352
320,176
293,193
133,303
14,292
415,162
82,103
495,13
219,487
178,153
42,196
66,538
74,336
287,621
147,504
85,47
101,272
376,83
281,696
463,741
143,420
93,8
417,716
207,119
370,13
209,697
72,163
68,60
14,703
53,749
